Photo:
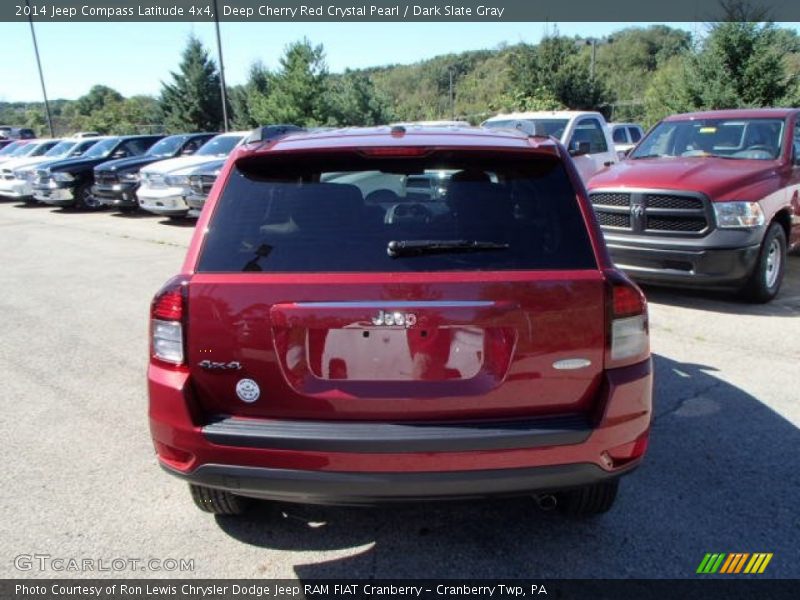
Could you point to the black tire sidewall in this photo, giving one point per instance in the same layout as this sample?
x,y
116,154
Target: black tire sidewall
x,y
757,288
80,191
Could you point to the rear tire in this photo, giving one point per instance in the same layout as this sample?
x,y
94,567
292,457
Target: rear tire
x,y
218,502
765,282
589,500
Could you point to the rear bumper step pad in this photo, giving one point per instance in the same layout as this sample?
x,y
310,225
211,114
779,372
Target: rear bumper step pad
x,y
381,437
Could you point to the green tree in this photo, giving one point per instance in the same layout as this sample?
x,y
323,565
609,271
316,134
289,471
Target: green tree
x,y
558,67
738,64
297,92
98,98
353,100
191,102
629,63
243,97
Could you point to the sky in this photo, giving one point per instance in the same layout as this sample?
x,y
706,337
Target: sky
x,y
134,58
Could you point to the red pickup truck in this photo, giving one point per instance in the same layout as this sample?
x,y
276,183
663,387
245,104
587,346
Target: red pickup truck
x,y
709,199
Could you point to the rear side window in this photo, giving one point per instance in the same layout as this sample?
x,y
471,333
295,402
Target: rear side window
x,y
343,214
619,136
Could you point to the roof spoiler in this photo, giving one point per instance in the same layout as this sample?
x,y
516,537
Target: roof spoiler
x,y
267,133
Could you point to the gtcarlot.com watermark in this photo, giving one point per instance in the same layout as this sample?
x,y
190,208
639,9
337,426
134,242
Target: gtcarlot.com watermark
x,y
117,564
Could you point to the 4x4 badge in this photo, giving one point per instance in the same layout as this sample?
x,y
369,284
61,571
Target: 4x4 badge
x,y
211,365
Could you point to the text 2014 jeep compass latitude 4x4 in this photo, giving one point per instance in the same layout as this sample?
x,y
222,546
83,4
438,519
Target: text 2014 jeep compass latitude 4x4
x,y
324,345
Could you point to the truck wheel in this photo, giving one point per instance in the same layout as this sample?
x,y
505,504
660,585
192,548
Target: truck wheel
x,y
767,276
218,502
84,200
589,500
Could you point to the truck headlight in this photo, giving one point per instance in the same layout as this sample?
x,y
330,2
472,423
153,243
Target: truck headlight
x,y
62,177
738,214
177,180
130,176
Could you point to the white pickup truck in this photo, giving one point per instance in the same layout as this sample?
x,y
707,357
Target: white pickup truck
x,y
585,134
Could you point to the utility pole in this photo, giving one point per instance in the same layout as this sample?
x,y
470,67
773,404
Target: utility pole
x,y
39,65
452,99
222,93
594,42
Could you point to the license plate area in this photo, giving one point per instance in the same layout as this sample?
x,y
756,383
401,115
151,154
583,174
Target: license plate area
x,y
396,354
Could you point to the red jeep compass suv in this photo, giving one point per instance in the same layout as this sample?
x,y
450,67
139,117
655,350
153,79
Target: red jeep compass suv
x,y
336,336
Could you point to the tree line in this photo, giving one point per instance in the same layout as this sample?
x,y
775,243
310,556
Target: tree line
x,y
637,74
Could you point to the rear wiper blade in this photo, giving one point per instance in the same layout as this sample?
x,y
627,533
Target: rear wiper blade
x,y
418,247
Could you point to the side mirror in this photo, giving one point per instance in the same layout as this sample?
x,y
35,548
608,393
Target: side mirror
x,y
119,154
188,151
579,148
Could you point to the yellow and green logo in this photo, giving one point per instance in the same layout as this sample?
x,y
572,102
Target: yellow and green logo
x,y
734,563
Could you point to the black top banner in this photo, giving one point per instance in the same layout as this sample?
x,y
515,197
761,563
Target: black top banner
x,y
400,11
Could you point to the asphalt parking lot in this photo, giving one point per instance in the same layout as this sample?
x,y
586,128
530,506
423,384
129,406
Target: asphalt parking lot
x,y
80,480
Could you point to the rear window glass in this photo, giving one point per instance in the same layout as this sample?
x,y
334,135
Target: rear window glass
x,y
345,213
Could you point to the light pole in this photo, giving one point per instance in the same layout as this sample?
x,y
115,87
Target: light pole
x,y
39,65
594,42
222,93
452,99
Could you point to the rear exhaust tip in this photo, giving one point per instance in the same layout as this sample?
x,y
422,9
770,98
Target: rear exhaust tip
x,y
545,502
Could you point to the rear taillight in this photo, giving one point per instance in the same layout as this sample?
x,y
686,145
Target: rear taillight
x,y
167,316
628,330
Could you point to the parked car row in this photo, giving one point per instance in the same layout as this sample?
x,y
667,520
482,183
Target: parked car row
x,y
89,171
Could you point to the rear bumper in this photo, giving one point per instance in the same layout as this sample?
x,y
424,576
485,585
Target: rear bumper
x,y
702,267
320,487
354,463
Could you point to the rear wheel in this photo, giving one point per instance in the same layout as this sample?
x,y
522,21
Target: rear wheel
x,y
767,276
218,502
588,500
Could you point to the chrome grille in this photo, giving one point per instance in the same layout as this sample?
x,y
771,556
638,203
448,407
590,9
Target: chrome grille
x,y
201,184
668,201
687,224
42,177
105,177
614,220
654,212
611,199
